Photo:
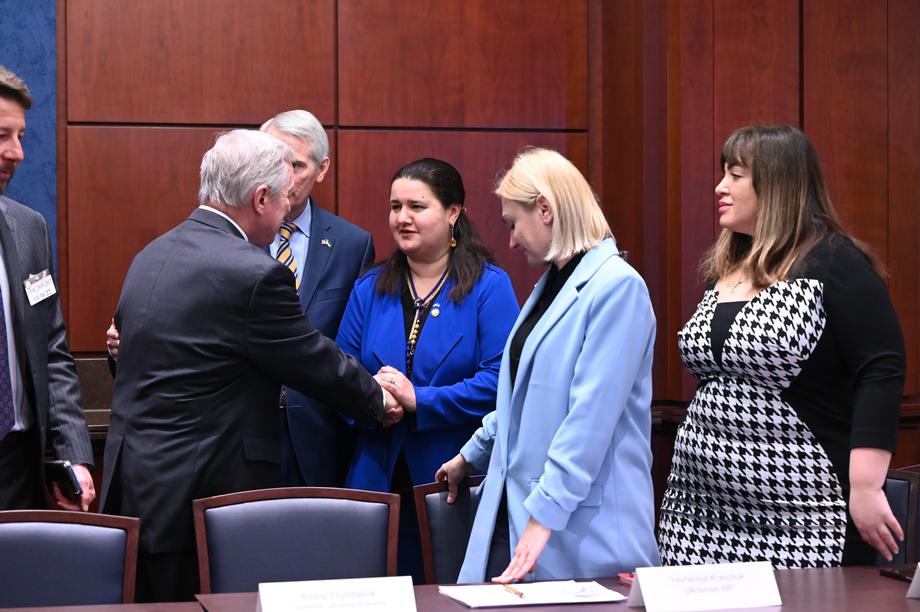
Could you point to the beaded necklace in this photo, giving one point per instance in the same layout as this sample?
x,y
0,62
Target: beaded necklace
x,y
421,308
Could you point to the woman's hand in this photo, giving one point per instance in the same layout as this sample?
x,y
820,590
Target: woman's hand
x,y
454,471
528,550
392,411
398,385
868,504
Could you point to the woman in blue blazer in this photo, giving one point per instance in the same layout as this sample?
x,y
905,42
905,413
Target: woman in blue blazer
x,y
432,322
568,491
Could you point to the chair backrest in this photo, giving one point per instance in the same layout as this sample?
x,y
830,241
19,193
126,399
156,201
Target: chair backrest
x,y
445,528
296,533
902,488
61,558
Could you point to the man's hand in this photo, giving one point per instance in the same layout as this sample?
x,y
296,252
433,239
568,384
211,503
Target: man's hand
x,y
112,340
89,491
453,472
392,411
398,385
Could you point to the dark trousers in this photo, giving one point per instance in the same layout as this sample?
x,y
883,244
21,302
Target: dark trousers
x,y
20,478
166,577
161,577
500,548
409,553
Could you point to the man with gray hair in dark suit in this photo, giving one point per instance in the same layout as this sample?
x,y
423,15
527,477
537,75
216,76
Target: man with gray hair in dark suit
x,y
39,393
211,327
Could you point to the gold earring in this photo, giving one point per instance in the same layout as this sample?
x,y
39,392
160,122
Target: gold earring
x,y
452,243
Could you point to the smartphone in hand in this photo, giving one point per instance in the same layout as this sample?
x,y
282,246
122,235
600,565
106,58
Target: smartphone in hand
x,y
61,471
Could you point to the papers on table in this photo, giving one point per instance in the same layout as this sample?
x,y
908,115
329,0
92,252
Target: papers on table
x,y
532,594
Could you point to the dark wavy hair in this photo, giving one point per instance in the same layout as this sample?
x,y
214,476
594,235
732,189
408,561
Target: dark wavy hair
x,y
468,257
794,210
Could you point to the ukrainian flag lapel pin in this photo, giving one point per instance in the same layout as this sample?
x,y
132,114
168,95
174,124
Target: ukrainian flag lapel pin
x,y
325,242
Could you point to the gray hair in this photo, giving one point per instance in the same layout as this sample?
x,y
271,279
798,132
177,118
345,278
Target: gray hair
x,y
304,125
14,88
239,162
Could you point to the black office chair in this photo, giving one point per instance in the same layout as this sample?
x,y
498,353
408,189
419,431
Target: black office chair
x,y
902,488
445,528
297,533
60,558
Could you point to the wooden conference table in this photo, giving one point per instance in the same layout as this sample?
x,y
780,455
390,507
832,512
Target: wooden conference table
x,y
853,588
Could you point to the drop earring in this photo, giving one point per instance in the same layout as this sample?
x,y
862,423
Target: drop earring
x,y
452,243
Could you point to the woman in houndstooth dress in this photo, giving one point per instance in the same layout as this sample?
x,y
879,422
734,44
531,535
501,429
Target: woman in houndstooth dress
x,y
800,359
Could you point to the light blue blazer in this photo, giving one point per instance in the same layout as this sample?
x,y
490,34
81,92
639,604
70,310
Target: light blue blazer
x,y
570,443
455,372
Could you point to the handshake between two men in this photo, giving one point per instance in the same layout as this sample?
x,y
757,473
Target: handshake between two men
x,y
398,391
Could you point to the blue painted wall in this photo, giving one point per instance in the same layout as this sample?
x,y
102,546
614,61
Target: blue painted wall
x,y
27,47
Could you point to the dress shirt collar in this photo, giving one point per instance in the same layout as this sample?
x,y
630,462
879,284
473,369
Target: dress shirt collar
x,y
227,217
305,219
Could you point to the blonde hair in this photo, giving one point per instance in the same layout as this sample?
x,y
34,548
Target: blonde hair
x,y
794,210
578,221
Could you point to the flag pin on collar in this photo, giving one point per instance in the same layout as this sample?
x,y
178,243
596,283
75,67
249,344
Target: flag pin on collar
x,y
325,242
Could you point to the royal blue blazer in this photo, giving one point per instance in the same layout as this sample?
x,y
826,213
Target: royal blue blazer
x,y
569,441
455,372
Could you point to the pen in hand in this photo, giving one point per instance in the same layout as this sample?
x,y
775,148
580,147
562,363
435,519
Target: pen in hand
x,y
513,590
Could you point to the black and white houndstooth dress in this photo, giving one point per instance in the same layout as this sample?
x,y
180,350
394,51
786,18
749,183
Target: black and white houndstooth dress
x,y
761,461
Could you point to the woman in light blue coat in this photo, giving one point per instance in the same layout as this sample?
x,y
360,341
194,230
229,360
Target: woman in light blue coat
x,y
568,492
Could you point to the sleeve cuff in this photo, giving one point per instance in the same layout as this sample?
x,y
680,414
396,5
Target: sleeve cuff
x,y
476,454
545,511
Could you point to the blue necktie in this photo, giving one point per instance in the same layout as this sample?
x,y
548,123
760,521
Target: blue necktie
x,y
7,416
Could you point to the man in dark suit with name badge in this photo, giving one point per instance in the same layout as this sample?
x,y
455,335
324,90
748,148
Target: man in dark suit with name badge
x,y
211,326
326,254
39,391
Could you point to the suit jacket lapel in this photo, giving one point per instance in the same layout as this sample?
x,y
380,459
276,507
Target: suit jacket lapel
x,y
11,259
439,336
318,254
563,302
505,390
388,344
15,275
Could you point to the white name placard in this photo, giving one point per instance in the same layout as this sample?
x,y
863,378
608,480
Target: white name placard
x,y
705,587
914,591
389,594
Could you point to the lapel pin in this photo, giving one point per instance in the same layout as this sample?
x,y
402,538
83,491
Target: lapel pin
x,y
325,242
435,310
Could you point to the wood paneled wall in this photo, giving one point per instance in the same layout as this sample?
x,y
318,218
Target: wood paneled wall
x,y
639,93
148,85
845,71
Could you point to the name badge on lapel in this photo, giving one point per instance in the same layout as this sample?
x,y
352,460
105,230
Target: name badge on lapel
x,y
39,287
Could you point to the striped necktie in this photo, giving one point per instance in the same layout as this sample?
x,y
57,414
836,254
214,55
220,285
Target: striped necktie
x,y
285,252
